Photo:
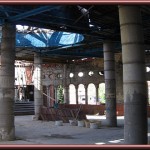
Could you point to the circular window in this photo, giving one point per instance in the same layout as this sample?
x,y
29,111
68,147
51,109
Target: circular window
x,y
101,73
91,73
80,74
59,75
147,69
71,75
51,76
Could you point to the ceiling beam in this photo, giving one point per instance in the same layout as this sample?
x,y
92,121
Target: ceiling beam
x,y
31,13
91,53
3,9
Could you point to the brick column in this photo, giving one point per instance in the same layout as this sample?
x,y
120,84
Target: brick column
x,y
66,94
48,95
76,87
55,91
97,88
86,94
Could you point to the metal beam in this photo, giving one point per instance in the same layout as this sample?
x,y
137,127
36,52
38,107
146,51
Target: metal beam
x,y
31,13
4,10
84,14
60,48
92,52
74,54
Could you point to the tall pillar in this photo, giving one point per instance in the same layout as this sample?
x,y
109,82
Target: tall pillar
x,y
86,94
76,87
97,88
134,80
7,79
66,95
110,85
38,92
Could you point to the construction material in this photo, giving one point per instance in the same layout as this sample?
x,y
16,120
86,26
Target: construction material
x,y
59,123
64,114
93,125
81,123
73,122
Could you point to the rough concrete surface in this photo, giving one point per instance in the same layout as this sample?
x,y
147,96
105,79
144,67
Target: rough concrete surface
x,y
29,131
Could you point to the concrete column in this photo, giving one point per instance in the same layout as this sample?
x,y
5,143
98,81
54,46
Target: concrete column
x,y
97,88
38,90
110,84
7,79
86,94
76,87
134,80
66,95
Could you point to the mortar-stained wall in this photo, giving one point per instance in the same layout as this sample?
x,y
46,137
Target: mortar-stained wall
x,y
53,74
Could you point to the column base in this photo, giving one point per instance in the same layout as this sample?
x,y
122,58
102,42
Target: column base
x,y
6,135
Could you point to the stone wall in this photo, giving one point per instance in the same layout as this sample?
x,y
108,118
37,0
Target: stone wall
x,y
53,74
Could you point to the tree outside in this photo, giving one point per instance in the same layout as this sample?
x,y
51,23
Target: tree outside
x,y
60,95
101,93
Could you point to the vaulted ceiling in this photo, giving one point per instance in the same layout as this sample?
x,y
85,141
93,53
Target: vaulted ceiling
x,y
95,22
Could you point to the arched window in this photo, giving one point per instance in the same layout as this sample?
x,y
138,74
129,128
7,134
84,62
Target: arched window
x,y
101,93
147,69
81,94
91,94
59,75
72,94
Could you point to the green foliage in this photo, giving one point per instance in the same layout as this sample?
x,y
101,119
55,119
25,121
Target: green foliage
x,y
60,95
101,93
